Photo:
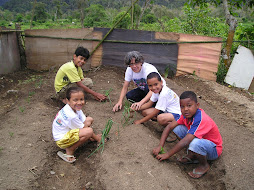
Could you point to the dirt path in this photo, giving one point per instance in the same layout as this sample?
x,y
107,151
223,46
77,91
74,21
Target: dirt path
x,y
28,153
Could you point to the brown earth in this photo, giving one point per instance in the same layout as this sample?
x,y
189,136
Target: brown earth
x,y
28,153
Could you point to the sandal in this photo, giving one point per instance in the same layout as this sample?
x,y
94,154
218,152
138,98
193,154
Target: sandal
x,y
66,156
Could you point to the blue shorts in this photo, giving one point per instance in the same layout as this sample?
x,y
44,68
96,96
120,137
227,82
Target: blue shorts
x,y
200,146
175,115
137,94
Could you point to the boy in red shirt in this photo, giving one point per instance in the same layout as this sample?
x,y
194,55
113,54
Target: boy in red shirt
x,y
195,130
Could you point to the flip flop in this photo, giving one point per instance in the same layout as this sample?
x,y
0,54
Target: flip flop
x,y
189,161
200,174
65,157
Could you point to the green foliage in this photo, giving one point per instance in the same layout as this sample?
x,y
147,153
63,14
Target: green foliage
x,y
104,136
149,19
18,18
40,14
94,16
127,113
125,22
221,73
11,134
162,151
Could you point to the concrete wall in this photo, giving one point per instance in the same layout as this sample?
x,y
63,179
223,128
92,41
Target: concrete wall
x,y
9,53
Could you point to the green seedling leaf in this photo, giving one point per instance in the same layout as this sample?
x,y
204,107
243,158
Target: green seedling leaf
x,y
162,151
11,134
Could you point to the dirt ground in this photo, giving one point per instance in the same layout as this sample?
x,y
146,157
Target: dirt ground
x,y
28,153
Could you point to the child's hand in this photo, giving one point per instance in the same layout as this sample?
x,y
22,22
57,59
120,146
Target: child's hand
x,y
161,157
137,122
156,150
117,107
136,106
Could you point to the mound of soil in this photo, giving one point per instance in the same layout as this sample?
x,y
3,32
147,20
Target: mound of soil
x,y
28,152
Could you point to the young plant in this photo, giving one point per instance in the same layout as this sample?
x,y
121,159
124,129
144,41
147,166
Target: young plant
x,y
21,109
11,134
1,148
126,117
107,92
162,151
104,136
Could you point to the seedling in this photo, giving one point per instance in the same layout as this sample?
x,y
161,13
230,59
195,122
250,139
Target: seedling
x,y
11,134
21,109
162,151
126,117
107,92
104,137
1,148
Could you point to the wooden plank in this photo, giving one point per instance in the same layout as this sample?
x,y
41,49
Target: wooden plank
x,y
201,59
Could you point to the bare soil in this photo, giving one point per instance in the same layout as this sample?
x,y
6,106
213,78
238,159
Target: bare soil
x,y
28,152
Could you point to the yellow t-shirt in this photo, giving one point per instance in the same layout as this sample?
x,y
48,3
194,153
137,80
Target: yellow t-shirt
x,y
66,74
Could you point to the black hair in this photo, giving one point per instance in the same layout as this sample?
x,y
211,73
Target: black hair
x,y
81,51
154,75
189,94
73,90
133,54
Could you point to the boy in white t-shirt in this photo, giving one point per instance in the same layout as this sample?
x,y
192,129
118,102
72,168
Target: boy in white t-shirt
x,y
137,72
167,102
71,128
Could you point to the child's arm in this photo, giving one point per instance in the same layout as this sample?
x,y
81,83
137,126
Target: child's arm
x,y
164,136
179,146
146,118
137,106
97,96
119,104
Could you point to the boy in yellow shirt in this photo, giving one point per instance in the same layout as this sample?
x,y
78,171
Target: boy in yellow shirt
x,y
71,74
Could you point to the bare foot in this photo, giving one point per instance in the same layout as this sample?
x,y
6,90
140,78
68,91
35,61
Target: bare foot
x,y
199,171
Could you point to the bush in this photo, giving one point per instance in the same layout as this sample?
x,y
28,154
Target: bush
x,y
221,73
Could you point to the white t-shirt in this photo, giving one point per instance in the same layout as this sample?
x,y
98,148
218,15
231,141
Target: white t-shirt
x,y
140,78
167,101
65,120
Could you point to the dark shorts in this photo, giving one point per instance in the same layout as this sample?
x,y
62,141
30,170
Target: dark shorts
x,y
136,95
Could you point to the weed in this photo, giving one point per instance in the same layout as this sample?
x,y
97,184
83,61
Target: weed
x,y
21,109
1,148
127,113
31,94
39,84
11,134
104,136
221,73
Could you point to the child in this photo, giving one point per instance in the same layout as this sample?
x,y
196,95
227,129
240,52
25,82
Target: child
x,y
71,128
71,74
167,102
197,131
137,72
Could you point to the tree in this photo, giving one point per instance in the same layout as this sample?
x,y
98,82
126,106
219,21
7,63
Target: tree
x,y
230,19
40,14
94,15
